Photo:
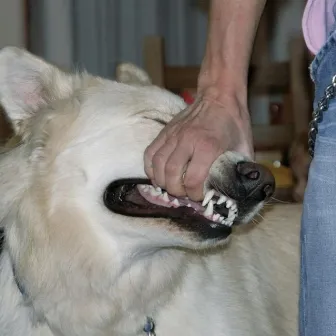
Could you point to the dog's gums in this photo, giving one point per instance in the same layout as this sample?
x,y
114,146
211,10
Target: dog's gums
x,y
212,199
138,198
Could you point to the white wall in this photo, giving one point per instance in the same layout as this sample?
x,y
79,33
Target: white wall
x,y
12,24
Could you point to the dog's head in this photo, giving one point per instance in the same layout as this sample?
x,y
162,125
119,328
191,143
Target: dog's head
x,y
81,162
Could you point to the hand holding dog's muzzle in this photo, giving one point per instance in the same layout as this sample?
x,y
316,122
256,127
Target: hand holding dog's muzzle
x,y
179,159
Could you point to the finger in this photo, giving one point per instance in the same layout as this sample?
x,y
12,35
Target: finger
x,y
198,171
175,168
150,151
159,162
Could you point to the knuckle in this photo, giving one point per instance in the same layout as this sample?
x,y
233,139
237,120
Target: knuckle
x,y
190,135
158,159
193,182
209,144
171,141
196,180
171,168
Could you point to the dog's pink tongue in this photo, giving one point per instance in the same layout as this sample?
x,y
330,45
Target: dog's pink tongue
x,y
158,197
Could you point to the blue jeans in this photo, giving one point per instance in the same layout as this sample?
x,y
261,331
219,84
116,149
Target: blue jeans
x,y
317,307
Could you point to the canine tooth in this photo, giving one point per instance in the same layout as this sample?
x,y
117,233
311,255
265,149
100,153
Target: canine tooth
x,y
221,218
231,213
215,217
229,203
176,202
158,189
189,205
221,199
208,197
209,209
165,197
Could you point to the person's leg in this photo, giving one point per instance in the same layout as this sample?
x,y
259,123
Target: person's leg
x,y
317,306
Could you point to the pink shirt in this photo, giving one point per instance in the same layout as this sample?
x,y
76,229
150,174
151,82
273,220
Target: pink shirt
x,y
317,22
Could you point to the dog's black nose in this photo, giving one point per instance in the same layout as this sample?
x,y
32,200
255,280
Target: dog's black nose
x,y
257,180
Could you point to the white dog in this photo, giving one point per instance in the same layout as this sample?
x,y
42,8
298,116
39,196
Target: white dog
x,y
91,248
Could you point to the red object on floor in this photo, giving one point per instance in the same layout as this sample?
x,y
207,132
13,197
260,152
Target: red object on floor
x,y
187,96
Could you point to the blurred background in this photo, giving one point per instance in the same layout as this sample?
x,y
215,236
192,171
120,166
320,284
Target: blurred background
x,y
167,38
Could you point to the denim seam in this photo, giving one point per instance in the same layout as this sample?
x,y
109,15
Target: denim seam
x,y
303,292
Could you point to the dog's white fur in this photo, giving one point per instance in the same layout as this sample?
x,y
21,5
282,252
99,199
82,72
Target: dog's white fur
x,y
87,271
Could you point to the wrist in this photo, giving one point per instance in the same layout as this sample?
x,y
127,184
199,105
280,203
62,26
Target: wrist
x,y
219,81
223,91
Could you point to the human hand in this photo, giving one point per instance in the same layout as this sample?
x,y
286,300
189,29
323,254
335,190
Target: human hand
x,y
179,159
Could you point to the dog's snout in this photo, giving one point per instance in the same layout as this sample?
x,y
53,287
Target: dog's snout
x,y
257,180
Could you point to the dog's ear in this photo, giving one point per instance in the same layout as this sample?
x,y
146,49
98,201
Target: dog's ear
x,y
27,83
129,73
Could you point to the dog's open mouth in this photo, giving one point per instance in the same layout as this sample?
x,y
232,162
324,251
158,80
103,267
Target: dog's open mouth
x,y
138,198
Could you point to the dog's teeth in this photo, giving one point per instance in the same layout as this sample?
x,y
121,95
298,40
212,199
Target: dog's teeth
x,y
176,202
158,189
215,217
189,205
154,192
209,209
229,203
208,197
221,199
165,197
213,225
220,219
232,213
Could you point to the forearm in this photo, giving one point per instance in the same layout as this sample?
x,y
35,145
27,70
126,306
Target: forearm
x,y
232,29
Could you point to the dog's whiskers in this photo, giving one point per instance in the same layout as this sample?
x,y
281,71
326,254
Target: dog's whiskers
x,y
280,201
